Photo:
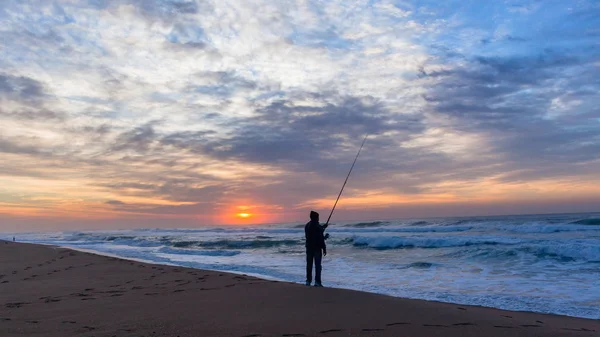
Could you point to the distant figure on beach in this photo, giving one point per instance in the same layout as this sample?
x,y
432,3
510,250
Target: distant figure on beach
x,y
13,239
315,248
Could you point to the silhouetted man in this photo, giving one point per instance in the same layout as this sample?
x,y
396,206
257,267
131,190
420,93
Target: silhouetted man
x,y
315,248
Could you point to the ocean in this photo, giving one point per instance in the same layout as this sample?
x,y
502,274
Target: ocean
x,y
540,263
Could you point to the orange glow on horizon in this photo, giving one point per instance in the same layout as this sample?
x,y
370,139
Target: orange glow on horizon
x,y
244,215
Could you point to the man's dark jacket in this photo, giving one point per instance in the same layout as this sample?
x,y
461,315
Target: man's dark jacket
x,y
314,235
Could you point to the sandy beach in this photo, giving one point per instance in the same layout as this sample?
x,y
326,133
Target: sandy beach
x,y
50,291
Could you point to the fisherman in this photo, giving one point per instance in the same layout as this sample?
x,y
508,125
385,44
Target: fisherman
x,y
315,248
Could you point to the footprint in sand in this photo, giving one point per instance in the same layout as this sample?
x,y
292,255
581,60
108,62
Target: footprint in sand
x,y
5,319
397,323
178,291
16,304
436,325
89,328
580,329
293,334
331,330
506,316
88,298
503,326
461,308
531,326
52,300
464,324
32,322
252,335
4,282
69,322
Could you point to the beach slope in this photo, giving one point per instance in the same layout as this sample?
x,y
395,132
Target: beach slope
x,y
50,291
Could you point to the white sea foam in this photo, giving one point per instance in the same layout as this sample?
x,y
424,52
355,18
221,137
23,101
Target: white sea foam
x,y
537,263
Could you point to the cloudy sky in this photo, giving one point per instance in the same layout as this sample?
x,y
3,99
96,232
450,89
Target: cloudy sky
x,y
134,113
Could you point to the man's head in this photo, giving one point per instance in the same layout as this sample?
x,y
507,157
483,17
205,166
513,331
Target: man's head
x,y
314,216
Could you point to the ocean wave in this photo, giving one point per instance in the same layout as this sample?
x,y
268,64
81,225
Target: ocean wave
x,y
406,229
420,265
237,244
588,222
537,227
395,242
548,250
368,224
579,251
168,250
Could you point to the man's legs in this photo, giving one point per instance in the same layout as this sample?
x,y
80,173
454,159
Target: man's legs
x,y
309,264
318,257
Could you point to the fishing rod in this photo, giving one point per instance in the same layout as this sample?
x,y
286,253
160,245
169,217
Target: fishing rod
x,y
345,181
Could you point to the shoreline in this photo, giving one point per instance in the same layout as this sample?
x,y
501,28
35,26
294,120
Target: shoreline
x,y
172,300
271,278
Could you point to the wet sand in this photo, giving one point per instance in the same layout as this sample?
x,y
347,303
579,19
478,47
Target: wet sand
x,y
50,291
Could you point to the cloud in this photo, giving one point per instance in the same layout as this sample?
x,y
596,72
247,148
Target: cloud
x,y
175,107
20,88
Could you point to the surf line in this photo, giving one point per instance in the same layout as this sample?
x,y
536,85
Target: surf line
x,y
345,181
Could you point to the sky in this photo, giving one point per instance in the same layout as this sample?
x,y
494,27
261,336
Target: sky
x,y
179,113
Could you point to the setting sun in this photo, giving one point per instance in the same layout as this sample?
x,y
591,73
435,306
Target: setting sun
x,y
244,215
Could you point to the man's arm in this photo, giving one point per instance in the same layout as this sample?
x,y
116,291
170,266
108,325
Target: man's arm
x,y
322,241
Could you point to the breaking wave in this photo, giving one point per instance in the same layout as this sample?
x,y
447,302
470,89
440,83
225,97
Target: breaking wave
x,y
588,222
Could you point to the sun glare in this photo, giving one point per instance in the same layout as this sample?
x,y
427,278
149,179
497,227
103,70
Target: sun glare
x,y
244,215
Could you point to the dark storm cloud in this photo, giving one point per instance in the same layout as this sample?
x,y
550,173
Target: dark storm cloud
x,y
20,88
284,131
139,139
30,93
512,101
15,147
